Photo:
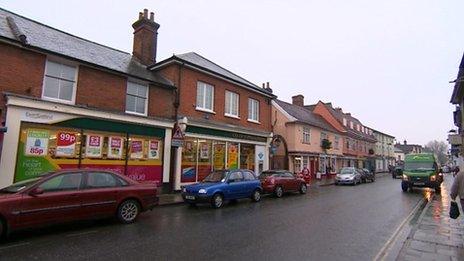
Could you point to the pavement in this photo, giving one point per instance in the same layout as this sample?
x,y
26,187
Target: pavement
x,y
436,236
327,223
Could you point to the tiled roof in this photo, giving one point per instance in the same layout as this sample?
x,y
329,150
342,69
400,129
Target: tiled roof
x,y
199,61
408,148
305,116
54,41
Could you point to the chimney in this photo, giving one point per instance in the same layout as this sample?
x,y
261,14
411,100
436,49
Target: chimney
x,y
405,142
268,89
298,100
145,38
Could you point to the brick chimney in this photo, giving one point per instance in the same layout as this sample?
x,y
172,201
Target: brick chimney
x,y
145,38
298,100
405,142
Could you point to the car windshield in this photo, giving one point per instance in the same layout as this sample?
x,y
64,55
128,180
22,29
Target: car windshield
x,y
412,166
19,186
266,174
347,171
215,176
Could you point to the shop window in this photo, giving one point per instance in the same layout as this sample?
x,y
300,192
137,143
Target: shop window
x,y
247,156
189,160
297,165
205,162
305,162
59,82
232,155
253,110
219,156
136,98
205,96
231,104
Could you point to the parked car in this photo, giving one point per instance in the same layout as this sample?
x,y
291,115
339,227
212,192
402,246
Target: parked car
x,y
223,185
398,171
71,195
446,169
280,182
367,175
348,175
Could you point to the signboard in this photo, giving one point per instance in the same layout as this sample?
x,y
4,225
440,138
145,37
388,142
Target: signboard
x,y
93,147
177,137
66,144
115,147
232,156
37,142
153,149
136,149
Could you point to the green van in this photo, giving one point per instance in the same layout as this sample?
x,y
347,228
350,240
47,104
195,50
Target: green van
x,y
421,170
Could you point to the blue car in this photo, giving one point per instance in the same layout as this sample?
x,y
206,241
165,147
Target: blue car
x,y
223,185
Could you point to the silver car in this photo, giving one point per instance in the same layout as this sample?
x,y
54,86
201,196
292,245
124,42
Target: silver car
x,y
348,175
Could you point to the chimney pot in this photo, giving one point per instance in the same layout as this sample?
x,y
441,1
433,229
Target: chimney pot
x,y
298,100
145,13
267,84
405,142
152,16
264,85
140,15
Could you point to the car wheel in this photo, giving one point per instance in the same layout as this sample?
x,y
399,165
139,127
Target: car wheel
x,y
278,191
217,201
128,211
256,195
304,188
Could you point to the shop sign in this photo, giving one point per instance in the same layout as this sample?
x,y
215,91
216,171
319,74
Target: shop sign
x,y
204,151
219,156
37,142
177,137
153,151
65,144
115,147
136,149
93,147
232,156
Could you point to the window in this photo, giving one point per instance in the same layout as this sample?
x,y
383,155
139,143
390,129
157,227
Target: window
x,y
205,96
306,135
344,122
248,175
253,110
336,142
136,98
358,127
236,176
324,136
362,129
71,181
351,125
232,101
287,175
101,180
59,82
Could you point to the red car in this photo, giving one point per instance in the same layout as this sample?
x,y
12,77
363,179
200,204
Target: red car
x,y
70,195
281,181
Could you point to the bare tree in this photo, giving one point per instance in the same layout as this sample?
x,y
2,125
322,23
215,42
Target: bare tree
x,y
439,148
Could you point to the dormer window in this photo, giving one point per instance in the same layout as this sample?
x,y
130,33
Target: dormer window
x,y
59,82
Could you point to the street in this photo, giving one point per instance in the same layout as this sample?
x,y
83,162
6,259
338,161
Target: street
x,y
329,223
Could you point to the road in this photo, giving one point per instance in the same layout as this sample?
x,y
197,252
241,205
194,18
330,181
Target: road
x,y
328,223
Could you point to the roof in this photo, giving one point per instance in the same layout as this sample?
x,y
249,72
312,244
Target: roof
x,y
398,150
304,115
458,91
50,40
383,133
201,62
407,148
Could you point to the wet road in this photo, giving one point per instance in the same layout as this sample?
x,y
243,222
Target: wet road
x,y
329,223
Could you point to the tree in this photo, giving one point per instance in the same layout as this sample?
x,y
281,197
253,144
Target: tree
x,y
326,144
439,148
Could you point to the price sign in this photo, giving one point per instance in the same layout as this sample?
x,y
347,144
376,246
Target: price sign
x,y
66,144
37,142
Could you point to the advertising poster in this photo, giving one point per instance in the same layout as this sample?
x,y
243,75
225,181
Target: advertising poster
x,y
66,144
37,142
204,151
189,161
232,154
136,149
153,149
219,156
93,147
115,145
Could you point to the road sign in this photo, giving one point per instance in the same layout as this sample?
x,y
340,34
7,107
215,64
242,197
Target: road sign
x,y
177,137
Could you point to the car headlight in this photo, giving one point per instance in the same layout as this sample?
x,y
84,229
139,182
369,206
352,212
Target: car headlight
x,y
433,178
351,177
405,177
202,191
184,189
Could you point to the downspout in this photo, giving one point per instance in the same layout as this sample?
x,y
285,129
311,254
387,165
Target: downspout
x,y
174,152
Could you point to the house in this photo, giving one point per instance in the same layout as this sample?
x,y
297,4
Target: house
x,y
69,102
457,99
359,141
384,151
228,118
409,148
399,155
302,134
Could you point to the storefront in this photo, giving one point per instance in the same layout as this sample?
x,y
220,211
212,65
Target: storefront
x,y
209,149
44,136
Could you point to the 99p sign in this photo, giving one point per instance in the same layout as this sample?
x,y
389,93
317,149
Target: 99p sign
x,y
65,144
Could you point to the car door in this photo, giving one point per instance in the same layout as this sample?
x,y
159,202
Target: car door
x,y
59,202
292,182
99,194
250,182
235,185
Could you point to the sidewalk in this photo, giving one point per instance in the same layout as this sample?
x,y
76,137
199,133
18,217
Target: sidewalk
x,y
436,236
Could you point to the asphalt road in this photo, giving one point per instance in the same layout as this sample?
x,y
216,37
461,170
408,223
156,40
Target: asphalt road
x,y
329,223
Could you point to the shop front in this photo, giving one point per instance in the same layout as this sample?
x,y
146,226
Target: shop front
x,y
206,150
43,137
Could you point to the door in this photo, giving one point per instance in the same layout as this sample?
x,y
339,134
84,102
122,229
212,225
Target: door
x,y
235,185
100,194
250,182
289,181
59,202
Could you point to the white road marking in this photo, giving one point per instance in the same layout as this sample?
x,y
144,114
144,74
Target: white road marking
x,y
82,233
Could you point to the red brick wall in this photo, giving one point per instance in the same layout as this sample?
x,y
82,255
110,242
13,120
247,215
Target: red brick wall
x,y
188,95
161,102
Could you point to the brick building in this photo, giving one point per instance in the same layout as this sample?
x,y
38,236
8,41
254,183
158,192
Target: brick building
x,y
73,103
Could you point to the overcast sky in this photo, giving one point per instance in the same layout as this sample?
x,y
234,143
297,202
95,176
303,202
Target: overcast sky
x,y
387,62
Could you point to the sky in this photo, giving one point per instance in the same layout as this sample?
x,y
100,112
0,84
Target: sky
x,y
388,62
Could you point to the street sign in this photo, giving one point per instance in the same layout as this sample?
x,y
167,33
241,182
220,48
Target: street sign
x,y
177,137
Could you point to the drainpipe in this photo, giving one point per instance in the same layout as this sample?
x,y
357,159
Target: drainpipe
x,y
176,153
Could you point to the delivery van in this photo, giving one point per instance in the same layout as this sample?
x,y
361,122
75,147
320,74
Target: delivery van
x,y
421,170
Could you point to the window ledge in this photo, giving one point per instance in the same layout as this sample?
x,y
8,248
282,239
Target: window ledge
x,y
45,98
231,116
136,113
204,110
253,121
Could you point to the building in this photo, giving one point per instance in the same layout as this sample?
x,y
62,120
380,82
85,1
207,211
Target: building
x,y
229,118
457,98
359,141
384,151
409,148
399,155
71,103
302,134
